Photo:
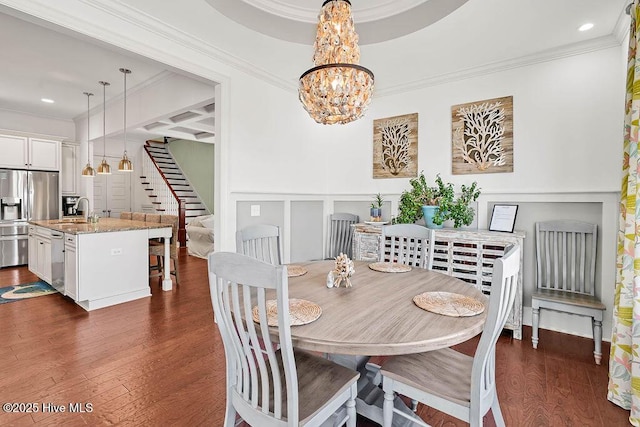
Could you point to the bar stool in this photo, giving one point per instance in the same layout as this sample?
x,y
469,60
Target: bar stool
x,y
158,250
153,243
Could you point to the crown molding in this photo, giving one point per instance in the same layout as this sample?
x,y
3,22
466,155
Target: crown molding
x,y
621,29
32,134
580,48
39,115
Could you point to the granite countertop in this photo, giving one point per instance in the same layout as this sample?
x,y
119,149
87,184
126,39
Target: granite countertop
x,y
104,225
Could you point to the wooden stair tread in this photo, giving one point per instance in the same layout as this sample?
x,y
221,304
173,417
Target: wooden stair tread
x,y
175,180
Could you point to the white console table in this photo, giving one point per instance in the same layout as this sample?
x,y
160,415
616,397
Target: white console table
x,y
465,254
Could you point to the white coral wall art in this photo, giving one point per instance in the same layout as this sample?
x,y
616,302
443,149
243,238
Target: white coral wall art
x,y
482,136
395,147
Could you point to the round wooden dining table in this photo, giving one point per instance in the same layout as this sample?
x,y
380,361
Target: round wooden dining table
x,y
377,315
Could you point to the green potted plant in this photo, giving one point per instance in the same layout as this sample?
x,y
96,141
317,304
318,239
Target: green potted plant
x,y
376,208
458,209
412,200
436,203
436,208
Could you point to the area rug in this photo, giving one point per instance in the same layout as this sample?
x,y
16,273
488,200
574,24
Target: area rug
x,y
29,290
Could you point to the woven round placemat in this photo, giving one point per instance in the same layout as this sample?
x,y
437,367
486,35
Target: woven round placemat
x,y
449,304
390,267
295,270
301,312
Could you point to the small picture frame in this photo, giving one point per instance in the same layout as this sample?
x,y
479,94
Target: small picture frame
x,y
503,218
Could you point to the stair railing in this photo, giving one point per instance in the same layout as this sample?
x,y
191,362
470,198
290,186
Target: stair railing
x,y
169,200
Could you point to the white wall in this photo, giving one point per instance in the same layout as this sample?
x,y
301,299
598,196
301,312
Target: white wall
x,y
565,111
23,122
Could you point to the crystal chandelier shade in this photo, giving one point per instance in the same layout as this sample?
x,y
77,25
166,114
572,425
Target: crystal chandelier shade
x,y
337,89
88,171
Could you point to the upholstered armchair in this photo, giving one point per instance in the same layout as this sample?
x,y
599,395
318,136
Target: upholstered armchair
x,y
200,236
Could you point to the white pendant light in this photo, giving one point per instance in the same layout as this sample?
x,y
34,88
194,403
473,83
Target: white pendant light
x,y
104,168
88,170
125,164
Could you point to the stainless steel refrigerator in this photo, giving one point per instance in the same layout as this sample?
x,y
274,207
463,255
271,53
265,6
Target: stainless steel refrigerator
x,y
24,196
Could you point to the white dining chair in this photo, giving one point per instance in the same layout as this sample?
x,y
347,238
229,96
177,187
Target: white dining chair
x,y
409,244
261,242
284,387
341,234
565,275
459,385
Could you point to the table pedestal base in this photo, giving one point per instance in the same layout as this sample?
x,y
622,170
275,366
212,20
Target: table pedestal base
x,y
370,394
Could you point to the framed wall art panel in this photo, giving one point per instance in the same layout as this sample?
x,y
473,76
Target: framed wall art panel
x,y
395,147
482,136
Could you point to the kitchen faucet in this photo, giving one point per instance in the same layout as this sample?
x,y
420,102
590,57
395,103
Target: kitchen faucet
x,y
86,213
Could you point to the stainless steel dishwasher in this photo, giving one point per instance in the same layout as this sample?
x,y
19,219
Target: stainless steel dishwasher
x,y
57,261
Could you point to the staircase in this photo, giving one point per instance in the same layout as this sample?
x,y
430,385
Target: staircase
x,y
168,188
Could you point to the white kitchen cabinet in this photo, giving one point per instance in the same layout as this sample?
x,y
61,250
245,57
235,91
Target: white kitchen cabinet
x,y
40,252
44,154
33,250
69,170
21,152
46,255
70,267
14,151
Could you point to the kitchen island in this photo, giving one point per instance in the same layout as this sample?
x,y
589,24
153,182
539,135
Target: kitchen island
x,y
104,263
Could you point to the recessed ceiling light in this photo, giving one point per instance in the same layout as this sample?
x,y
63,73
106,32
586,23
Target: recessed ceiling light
x,y
586,27
47,100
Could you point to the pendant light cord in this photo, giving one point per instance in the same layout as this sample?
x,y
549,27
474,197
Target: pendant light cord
x,y
104,119
125,71
88,120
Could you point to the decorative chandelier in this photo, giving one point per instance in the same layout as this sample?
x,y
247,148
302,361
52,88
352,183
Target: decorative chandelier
x,y
104,168
88,171
125,164
337,89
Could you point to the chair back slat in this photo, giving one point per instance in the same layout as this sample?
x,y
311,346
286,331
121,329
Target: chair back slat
x,y
273,364
341,234
260,242
566,256
504,287
409,244
262,375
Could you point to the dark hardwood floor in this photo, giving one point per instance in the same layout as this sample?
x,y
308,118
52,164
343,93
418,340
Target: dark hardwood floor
x,y
159,361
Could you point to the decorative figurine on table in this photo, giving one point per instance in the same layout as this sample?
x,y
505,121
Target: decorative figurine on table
x,y
343,271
